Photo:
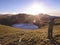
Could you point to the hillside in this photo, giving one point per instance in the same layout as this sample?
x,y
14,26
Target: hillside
x,y
14,36
10,19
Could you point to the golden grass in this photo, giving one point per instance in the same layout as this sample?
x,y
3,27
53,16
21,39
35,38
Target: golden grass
x,y
10,35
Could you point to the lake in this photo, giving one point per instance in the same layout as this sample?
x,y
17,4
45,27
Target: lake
x,y
25,26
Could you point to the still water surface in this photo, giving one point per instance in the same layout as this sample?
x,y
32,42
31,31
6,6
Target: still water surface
x,y
25,26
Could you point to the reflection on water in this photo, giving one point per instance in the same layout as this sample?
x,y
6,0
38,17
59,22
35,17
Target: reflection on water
x,y
25,26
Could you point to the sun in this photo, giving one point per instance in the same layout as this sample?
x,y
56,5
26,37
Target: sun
x,y
35,9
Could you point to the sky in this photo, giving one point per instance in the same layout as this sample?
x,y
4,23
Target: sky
x,y
30,6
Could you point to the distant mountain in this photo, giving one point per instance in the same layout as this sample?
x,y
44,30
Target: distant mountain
x,y
39,20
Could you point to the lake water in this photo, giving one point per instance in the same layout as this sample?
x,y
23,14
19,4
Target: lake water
x,y
25,26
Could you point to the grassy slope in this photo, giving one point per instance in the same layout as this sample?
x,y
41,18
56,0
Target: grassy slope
x,y
27,37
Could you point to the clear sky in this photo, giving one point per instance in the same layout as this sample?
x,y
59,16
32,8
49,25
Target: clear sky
x,y
30,6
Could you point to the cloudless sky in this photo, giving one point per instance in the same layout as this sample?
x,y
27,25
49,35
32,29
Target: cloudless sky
x,y
18,6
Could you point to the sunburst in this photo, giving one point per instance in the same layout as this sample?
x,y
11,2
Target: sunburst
x,y
35,9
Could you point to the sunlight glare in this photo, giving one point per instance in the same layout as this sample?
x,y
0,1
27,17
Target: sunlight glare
x,y
36,9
